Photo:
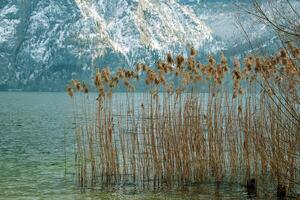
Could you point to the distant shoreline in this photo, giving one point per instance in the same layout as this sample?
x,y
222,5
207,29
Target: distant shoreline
x,y
14,90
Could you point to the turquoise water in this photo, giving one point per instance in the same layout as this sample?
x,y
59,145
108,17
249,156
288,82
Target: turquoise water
x,y
32,159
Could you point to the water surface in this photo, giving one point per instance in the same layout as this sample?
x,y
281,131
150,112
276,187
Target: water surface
x,y
32,157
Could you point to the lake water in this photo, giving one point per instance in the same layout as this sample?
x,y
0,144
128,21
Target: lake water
x,y
32,159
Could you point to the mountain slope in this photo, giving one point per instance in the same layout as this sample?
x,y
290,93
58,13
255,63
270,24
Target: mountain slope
x,y
45,43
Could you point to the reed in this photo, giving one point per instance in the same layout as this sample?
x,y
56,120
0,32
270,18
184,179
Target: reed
x,y
244,128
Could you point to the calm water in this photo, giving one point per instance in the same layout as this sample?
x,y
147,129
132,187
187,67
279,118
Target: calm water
x,y
32,158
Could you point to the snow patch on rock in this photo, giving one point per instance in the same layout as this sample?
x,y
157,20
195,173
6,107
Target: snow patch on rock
x,y
8,23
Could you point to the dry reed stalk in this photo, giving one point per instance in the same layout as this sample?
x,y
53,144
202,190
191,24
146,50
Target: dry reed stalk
x,y
177,138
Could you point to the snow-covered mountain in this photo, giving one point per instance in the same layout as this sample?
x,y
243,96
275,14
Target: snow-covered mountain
x,y
45,43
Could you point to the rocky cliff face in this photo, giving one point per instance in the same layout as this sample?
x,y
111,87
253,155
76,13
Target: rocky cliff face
x,y
45,43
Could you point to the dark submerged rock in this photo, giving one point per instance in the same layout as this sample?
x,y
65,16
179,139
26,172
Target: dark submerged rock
x,y
281,191
251,187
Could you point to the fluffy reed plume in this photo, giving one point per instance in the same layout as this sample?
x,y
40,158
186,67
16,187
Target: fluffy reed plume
x,y
179,61
85,88
174,135
97,79
105,74
193,51
170,58
70,91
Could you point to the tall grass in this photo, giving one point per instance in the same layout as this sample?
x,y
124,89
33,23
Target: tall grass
x,y
193,123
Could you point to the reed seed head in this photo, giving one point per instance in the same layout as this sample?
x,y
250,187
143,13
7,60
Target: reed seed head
x,y
78,86
211,60
223,60
70,91
193,51
97,80
170,58
85,88
180,60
